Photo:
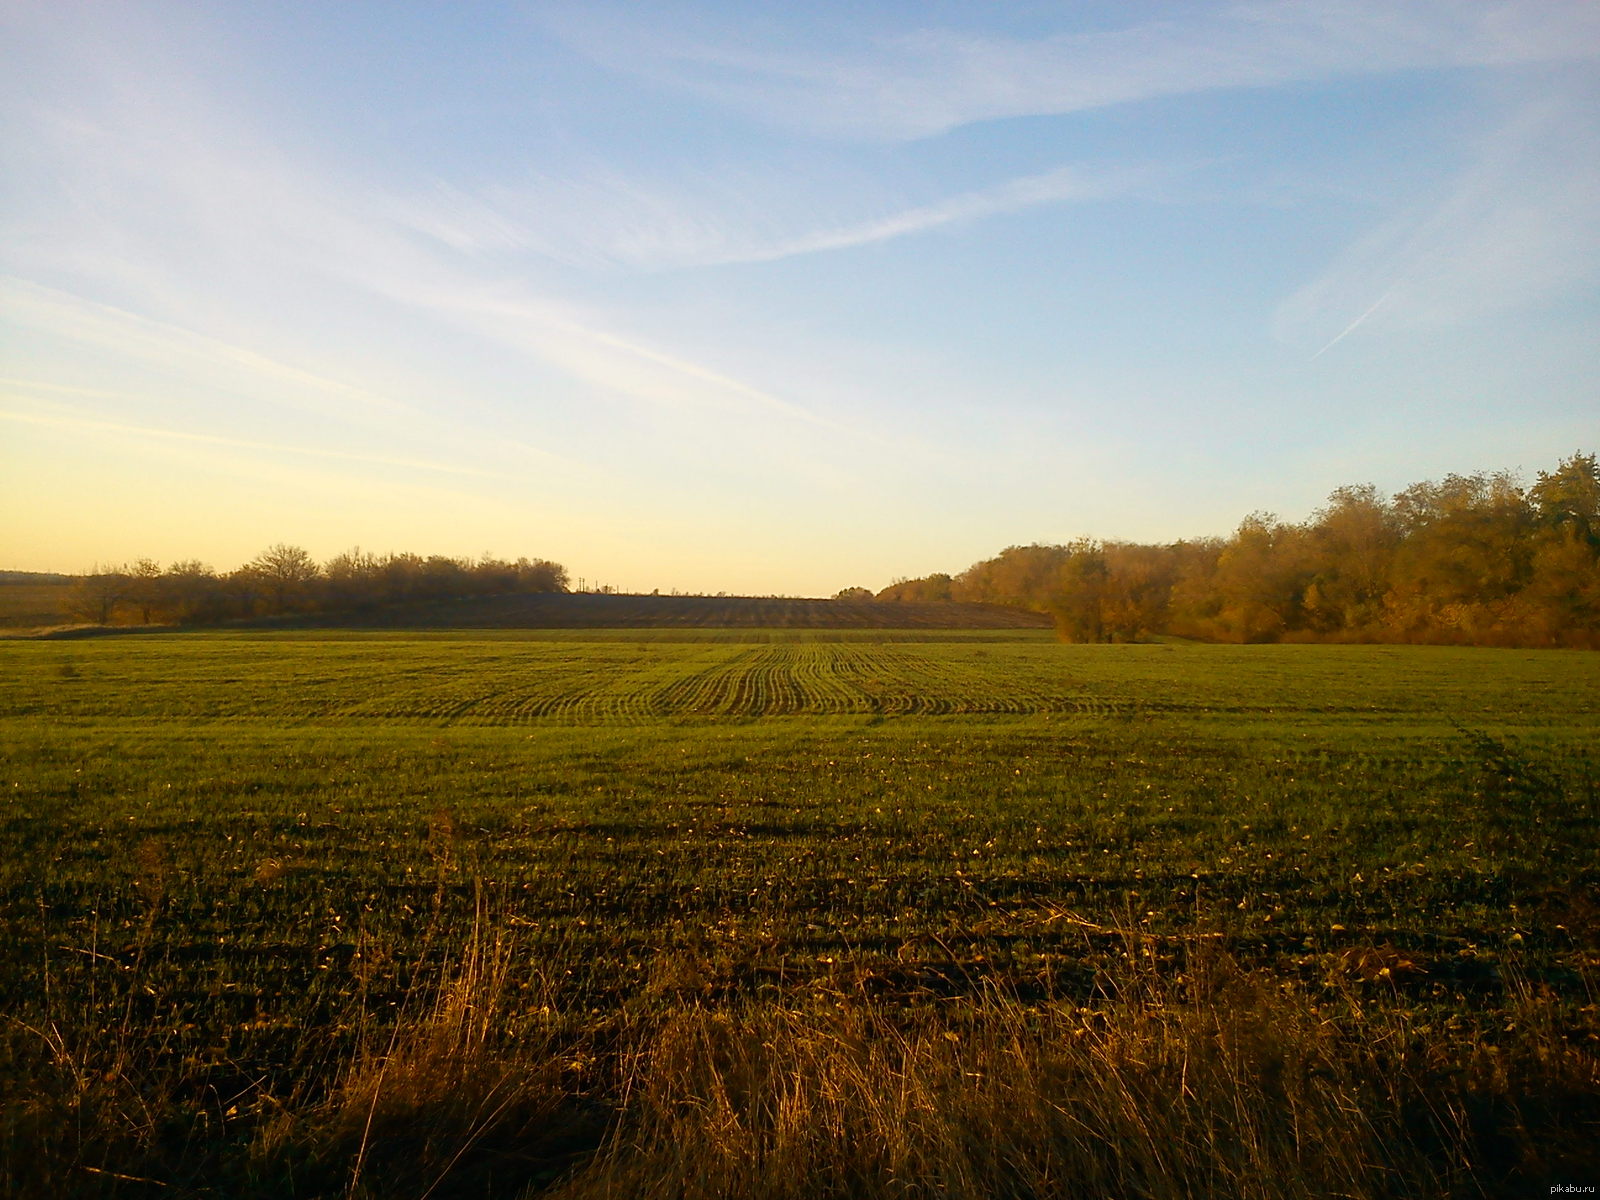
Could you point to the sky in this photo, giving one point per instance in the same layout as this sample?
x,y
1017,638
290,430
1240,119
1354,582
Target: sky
x,y
771,298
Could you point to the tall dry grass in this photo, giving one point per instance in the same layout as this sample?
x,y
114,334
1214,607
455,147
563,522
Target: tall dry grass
x,y
1209,1081
1234,1089
464,1097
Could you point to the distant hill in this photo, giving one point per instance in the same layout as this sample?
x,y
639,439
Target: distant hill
x,y
588,611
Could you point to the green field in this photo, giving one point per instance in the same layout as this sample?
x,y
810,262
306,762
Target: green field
x,y
235,866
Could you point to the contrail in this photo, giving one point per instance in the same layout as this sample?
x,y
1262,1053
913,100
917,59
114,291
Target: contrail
x,y
1354,325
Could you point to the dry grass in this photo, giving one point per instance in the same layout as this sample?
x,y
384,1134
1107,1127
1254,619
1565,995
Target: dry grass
x,y
1234,1089
456,1104
1208,1082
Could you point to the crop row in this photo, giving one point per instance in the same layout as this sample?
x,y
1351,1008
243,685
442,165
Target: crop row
x,y
506,680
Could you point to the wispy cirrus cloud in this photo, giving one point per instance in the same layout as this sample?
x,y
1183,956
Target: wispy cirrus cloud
x,y
78,424
911,85
272,232
1517,225
404,240
595,355
193,372
145,189
603,220
62,314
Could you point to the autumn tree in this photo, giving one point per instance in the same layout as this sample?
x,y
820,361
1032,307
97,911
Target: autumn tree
x,y
96,595
191,592
284,574
441,577
929,589
1561,603
1194,605
1261,578
1472,558
492,576
1465,551
541,575
352,580
1351,546
1568,498
143,594
1077,606
1019,576
1137,596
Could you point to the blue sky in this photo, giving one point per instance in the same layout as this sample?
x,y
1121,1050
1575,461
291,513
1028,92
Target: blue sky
x,y
772,297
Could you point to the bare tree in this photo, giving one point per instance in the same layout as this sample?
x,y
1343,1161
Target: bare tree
x,y
144,589
284,573
96,595
191,592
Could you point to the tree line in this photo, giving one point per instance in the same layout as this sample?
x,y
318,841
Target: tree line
x,y
1475,559
284,580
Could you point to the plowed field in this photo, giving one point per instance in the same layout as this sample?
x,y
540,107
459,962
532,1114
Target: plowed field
x,y
588,610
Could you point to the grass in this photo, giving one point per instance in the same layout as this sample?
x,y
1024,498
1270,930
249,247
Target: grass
x,y
690,913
